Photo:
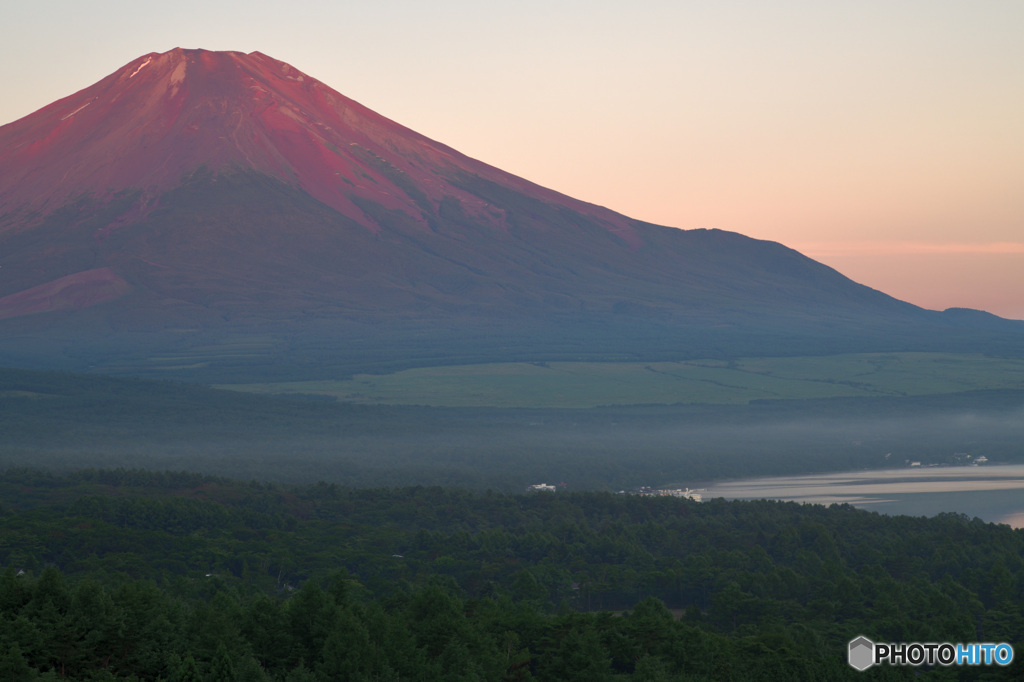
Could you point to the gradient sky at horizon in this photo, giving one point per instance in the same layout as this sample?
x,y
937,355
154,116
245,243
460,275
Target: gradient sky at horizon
x,y
885,139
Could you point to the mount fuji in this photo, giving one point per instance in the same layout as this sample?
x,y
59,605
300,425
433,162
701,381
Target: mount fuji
x,y
224,213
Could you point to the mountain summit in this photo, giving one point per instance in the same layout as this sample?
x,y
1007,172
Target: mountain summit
x,y
159,118
194,202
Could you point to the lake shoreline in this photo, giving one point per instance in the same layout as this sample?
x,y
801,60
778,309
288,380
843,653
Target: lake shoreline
x,y
994,493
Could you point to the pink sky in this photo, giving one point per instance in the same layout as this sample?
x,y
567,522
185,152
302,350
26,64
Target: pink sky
x,y
884,139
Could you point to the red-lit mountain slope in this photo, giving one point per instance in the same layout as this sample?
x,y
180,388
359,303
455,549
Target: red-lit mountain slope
x,y
192,199
162,116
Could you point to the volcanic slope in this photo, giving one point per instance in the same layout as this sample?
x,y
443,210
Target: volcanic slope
x,y
220,209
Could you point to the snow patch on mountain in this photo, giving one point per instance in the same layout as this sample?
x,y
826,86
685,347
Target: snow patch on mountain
x,y
67,116
140,67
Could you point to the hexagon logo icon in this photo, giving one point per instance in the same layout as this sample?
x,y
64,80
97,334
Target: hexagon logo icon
x,y
861,653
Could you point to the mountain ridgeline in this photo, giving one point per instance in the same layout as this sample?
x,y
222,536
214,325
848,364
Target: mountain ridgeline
x,y
223,214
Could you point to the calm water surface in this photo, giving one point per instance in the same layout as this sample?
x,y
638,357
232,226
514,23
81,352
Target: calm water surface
x,y
993,493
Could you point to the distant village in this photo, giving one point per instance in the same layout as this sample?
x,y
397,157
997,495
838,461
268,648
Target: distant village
x,y
962,459
642,491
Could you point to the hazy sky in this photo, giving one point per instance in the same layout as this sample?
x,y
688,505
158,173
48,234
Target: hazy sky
x,y
882,137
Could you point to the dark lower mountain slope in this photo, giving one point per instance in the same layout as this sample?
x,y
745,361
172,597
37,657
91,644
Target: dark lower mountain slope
x,y
238,256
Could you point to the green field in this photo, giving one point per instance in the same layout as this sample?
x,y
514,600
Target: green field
x,y
592,384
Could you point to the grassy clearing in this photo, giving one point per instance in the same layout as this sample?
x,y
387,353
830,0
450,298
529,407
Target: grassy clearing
x,y
591,384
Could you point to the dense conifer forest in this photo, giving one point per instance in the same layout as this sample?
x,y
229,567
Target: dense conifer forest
x,y
133,574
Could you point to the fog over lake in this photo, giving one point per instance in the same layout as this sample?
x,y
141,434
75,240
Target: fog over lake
x,y
993,493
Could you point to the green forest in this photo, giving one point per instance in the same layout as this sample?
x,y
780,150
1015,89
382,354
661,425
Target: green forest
x,y
126,574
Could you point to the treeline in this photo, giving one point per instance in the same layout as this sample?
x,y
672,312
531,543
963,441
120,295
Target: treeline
x,y
110,574
54,628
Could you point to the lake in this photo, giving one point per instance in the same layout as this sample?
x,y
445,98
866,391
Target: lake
x,y
993,493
